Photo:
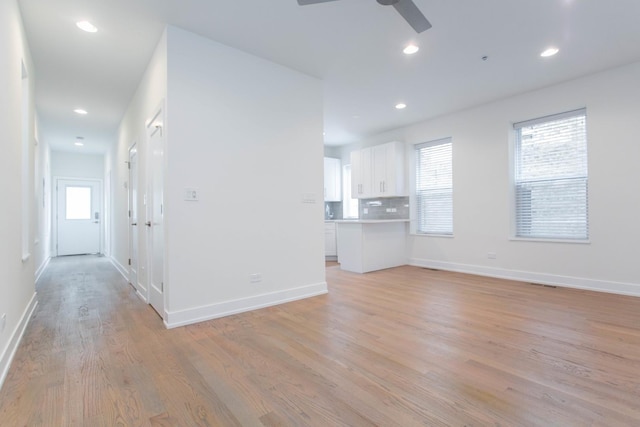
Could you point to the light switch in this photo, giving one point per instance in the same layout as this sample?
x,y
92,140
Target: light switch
x,y
308,198
191,194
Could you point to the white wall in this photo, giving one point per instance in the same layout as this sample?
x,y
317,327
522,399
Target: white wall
x,y
42,210
248,134
17,289
150,94
482,205
65,164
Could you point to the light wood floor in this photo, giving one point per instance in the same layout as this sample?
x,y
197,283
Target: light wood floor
x,y
400,347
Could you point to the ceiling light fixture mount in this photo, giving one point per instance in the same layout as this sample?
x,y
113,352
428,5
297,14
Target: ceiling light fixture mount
x,y
401,106
549,52
79,142
410,49
87,26
80,111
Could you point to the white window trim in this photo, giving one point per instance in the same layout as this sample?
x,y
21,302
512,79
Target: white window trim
x,y
346,195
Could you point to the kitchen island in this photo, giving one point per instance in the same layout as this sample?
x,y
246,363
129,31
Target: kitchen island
x,y
369,245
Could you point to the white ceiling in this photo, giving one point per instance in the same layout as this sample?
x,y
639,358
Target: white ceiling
x,y
353,45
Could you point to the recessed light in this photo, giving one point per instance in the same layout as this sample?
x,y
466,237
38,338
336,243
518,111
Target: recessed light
x,y
401,106
80,111
549,52
410,49
87,26
78,143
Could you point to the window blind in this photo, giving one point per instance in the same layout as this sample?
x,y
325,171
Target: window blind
x,y
551,178
434,187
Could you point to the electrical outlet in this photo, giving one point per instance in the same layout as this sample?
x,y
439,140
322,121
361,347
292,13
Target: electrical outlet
x,y
255,278
3,322
492,255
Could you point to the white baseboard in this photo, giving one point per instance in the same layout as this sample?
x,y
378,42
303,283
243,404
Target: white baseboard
x,y
141,296
121,268
7,356
41,269
200,314
531,277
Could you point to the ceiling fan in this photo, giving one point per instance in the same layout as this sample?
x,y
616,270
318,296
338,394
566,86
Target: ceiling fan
x,y
406,8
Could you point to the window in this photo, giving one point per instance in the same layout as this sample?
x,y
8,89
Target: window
x,y
78,204
349,205
551,177
434,187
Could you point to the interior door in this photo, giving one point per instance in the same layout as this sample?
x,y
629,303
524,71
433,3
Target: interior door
x,y
133,221
155,209
78,216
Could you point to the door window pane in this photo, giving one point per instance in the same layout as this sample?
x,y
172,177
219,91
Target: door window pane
x,y
78,203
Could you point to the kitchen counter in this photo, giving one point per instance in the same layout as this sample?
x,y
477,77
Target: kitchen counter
x,y
370,245
368,221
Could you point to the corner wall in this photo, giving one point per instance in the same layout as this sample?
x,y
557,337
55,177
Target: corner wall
x,y
247,133
42,189
151,92
17,288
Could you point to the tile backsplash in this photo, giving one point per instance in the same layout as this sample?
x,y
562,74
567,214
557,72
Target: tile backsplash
x,y
385,208
332,210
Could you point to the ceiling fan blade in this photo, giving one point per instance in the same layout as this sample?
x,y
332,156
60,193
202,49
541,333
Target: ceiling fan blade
x,y
411,13
306,2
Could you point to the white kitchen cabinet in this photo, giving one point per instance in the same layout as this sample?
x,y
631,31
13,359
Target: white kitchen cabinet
x,y
332,180
330,241
372,245
361,173
378,171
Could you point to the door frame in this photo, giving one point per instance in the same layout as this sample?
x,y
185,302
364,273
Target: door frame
x,y
155,124
54,211
135,244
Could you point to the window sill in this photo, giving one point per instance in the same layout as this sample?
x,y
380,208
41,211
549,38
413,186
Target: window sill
x,y
540,240
446,236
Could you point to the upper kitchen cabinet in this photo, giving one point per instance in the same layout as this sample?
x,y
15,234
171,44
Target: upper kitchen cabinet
x,y
378,171
361,178
332,180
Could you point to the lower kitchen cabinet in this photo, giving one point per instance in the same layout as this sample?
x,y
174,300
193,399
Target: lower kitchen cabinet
x,y
330,242
372,245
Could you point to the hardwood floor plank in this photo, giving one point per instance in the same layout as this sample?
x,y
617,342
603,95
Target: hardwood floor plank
x,y
399,347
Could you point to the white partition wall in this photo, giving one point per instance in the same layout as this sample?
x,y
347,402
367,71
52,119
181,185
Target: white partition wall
x,y
17,130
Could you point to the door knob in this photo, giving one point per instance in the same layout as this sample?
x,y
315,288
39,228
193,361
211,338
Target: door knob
x,y
134,223
148,223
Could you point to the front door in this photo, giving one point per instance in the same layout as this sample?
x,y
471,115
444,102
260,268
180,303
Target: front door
x,y
78,216
155,211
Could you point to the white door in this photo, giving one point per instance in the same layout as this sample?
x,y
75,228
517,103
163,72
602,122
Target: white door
x,y
78,216
133,221
156,214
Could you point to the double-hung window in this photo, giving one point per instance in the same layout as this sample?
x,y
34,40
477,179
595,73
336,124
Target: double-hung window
x,y
551,179
434,187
